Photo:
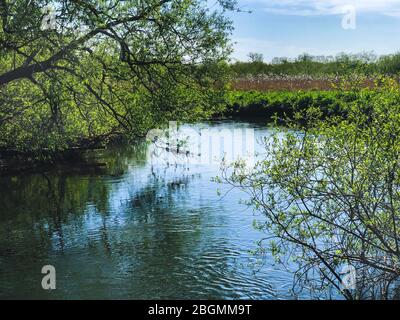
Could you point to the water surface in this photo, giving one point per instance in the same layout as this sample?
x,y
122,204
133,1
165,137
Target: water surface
x,y
138,229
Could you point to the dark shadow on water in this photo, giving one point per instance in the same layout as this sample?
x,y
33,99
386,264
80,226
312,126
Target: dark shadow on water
x,y
130,230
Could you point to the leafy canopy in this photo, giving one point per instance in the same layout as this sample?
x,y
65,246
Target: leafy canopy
x,y
78,70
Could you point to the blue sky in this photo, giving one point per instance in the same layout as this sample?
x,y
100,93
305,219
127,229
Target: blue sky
x,y
287,28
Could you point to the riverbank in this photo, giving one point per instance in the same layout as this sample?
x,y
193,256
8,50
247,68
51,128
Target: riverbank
x,y
66,161
265,105
260,105
80,157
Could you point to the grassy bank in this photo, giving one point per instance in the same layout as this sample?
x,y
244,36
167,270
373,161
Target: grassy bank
x,y
264,105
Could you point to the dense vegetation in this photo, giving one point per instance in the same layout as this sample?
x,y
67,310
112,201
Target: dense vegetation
x,y
329,179
342,64
329,192
265,105
98,70
345,91
84,71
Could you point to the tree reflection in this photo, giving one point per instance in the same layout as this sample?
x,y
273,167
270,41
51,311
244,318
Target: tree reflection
x,y
128,221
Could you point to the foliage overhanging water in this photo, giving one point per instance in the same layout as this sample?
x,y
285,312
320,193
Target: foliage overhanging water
x,y
138,230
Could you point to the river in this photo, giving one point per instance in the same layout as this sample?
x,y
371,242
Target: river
x,y
136,229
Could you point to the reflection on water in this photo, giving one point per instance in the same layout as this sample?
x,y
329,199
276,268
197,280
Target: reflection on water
x,y
138,230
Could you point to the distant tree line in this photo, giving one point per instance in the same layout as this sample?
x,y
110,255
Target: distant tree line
x,y
365,63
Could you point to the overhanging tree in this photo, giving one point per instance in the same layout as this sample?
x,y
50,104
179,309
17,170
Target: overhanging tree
x,y
330,195
114,65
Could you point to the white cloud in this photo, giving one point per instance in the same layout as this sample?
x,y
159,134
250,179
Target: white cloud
x,y
327,7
